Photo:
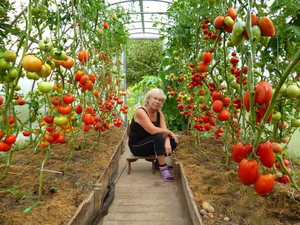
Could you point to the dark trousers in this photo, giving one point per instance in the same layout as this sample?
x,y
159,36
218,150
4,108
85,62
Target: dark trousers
x,y
152,145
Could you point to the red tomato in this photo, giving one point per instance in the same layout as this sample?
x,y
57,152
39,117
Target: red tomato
x,y
1,100
1,135
284,179
89,109
92,77
78,109
247,100
86,127
83,56
2,146
50,128
68,99
7,147
11,119
83,79
60,139
64,110
226,101
105,25
264,183
240,151
55,134
10,139
21,102
216,95
26,133
207,126
207,57
87,119
217,106
202,67
224,115
49,118
263,93
265,152
247,172
49,138
56,101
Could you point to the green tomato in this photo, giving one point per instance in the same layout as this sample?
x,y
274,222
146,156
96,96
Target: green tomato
x,y
1,55
292,91
8,79
44,14
35,11
4,65
229,44
256,32
45,45
114,16
17,88
265,40
10,56
228,21
22,74
276,116
283,89
51,64
295,122
44,86
238,28
58,55
31,75
13,73
236,39
60,121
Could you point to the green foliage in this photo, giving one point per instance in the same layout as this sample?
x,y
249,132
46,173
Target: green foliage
x,y
143,59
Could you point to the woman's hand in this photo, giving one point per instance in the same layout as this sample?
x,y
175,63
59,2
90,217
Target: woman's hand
x,y
168,148
172,135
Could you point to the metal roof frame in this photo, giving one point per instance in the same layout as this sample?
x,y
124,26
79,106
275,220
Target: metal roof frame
x,y
142,13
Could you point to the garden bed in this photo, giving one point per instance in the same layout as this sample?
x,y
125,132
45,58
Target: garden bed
x,y
19,190
211,182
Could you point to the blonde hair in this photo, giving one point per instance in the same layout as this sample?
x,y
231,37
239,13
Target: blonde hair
x,y
155,92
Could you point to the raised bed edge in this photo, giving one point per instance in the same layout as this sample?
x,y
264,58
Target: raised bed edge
x,y
91,205
190,200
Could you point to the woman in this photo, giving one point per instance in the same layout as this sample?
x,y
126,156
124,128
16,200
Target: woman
x,y
149,134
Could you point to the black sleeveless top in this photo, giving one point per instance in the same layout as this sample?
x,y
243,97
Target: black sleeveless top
x,y
137,132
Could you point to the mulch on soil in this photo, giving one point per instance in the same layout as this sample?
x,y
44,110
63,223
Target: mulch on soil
x,y
211,181
19,190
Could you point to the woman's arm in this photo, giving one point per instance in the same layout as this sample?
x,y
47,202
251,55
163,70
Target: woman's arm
x,y
142,118
164,126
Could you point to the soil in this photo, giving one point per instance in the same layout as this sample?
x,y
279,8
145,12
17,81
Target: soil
x,y
19,189
211,181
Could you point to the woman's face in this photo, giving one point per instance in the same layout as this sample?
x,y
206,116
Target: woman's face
x,y
155,102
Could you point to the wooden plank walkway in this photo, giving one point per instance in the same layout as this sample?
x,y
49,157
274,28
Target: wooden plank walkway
x,y
143,198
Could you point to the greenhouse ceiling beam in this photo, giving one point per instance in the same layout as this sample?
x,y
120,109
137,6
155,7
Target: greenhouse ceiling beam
x,y
142,15
116,3
144,38
144,33
144,22
146,28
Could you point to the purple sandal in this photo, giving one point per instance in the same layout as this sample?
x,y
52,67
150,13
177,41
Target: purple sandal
x,y
165,174
170,167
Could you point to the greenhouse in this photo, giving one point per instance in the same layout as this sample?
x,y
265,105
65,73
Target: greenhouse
x,y
140,112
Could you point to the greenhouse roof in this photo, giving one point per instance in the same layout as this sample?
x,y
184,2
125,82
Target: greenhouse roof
x,y
144,14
